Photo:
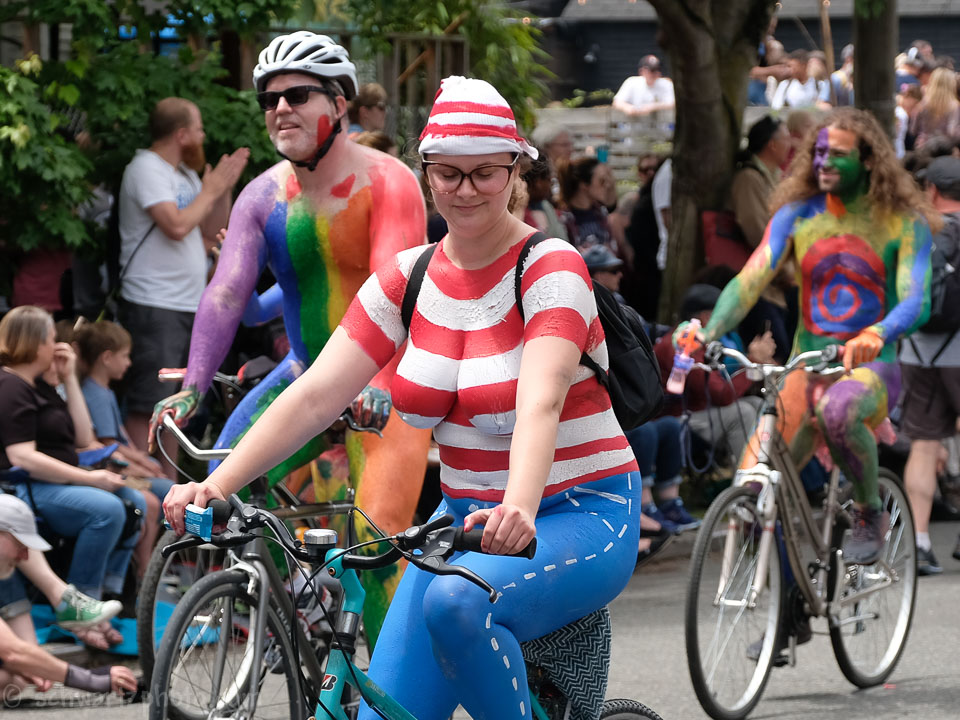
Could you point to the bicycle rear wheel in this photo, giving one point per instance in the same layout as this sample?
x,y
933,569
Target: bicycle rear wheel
x,y
730,640
869,634
204,665
164,583
626,710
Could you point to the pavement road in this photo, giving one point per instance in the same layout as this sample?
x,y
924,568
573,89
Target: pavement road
x,y
649,661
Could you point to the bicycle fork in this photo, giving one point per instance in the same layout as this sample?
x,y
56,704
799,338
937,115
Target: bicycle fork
x,y
768,479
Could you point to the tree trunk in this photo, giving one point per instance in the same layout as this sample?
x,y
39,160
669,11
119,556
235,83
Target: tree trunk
x,y
875,41
712,46
31,39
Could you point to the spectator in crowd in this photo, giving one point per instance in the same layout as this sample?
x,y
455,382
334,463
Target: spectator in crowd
x,y
367,111
605,268
768,146
799,123
720,412
539,179
588,188
817,66
939,112
647,92
39,434
662,194
771,65
930,366
922,49
647,165
908,69
657,447
908,103
839,91
104,347
166,211
556,142
378,140
635,212
801,89
22,661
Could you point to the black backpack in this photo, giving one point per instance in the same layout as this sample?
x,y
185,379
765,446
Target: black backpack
x,y
945,279
633,383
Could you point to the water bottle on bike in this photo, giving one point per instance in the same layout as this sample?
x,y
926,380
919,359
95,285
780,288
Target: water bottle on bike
x,y
686,343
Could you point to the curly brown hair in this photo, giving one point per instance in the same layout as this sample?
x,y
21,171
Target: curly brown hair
x,y
892,190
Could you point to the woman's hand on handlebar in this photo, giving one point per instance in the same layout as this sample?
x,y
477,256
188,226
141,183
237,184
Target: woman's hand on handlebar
x,y
176,501
507,529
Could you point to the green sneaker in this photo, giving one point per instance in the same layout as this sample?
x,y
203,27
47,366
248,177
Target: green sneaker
x,y
77,611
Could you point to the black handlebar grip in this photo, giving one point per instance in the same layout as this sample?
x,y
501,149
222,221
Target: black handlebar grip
x,y
222,510
470,542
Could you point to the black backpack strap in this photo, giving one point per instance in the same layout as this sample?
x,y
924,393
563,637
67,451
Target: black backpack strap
x,y
537,237
412,290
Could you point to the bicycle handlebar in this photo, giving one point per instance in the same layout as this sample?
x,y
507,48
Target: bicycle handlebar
x,y
812,360
189,448
436,540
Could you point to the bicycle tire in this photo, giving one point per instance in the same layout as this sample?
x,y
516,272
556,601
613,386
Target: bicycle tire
x,y
621,709
159,568
229,586
733,510
899,551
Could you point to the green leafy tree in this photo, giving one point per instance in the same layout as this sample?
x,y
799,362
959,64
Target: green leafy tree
x,y
42,174
112,85
503,48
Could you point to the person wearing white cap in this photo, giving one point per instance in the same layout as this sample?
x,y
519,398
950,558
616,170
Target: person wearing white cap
x,y
22,661
529,443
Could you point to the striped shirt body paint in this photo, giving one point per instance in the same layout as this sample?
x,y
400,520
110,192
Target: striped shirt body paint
x,y
459,371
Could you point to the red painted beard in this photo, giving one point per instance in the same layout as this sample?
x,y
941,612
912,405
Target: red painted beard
x,y
194,157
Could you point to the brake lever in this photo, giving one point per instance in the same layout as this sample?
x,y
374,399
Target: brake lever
x,y
437,565
347,417
713,353
434,560
192,541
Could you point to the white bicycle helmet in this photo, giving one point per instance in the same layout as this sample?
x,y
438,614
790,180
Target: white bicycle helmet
x,y
308,53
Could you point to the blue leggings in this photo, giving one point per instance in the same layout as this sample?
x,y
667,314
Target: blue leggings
x,y
443,643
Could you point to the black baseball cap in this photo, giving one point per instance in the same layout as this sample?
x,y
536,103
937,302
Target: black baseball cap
x,y
698,298
944,173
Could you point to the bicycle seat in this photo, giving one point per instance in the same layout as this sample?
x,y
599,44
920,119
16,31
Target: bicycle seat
x,y
576,659
253,371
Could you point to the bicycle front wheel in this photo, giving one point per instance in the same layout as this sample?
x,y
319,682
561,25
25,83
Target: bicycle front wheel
x,y
731,632
870,629
164,582
626,710
204,665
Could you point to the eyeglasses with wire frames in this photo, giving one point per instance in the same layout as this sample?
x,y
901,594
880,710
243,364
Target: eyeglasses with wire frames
x,y
486,179
296,95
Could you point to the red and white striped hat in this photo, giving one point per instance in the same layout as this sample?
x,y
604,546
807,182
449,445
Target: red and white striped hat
x,y
469,117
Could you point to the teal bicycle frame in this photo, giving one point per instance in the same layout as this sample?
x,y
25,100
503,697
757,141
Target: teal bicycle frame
x,y
340,666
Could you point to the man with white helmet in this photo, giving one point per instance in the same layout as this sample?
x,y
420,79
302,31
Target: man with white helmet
x,y
322,219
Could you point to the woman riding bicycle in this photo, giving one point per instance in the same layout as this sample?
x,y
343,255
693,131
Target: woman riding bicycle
x,y
529,443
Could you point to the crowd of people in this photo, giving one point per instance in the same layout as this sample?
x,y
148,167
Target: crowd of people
x,y
528,440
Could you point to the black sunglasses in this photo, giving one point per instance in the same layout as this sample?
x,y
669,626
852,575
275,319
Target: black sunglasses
x,y
296,95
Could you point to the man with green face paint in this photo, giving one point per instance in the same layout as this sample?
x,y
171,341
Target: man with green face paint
x,y
856,227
